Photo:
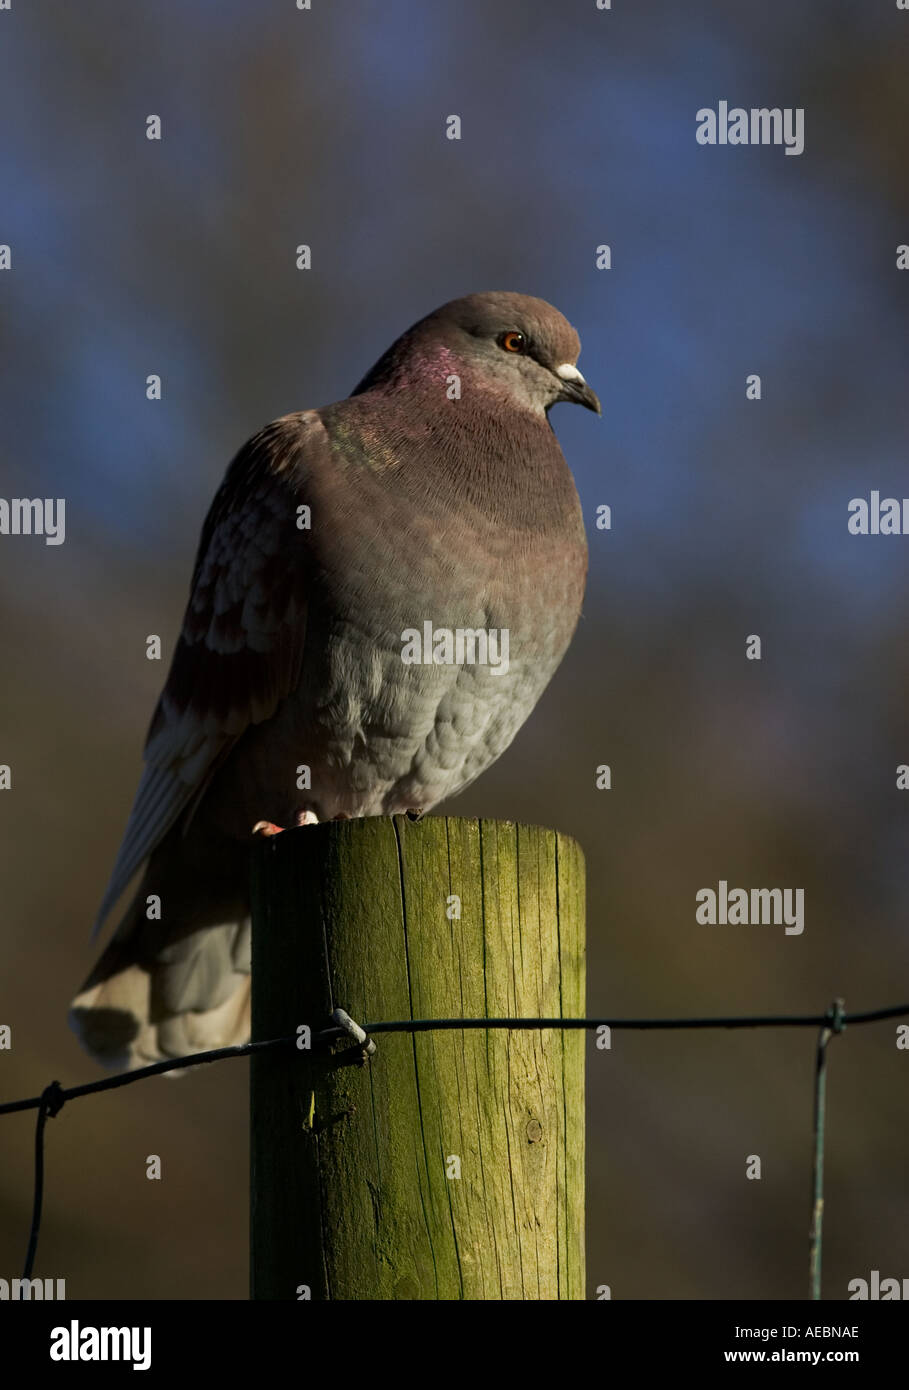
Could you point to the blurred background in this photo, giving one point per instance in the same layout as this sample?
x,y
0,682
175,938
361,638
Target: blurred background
x,y
131,257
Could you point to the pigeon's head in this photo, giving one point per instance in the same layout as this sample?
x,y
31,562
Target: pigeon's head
x,y
519,348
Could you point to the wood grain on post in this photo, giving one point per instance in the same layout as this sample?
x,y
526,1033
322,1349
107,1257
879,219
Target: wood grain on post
x,y
451,1166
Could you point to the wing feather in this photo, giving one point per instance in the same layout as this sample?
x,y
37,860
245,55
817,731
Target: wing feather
x,y
240,650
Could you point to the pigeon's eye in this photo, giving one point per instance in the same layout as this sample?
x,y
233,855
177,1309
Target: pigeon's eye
x,y
513,341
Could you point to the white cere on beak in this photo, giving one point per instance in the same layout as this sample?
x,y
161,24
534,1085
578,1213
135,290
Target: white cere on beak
x,y
569,373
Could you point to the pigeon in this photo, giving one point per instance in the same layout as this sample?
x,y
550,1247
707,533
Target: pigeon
x,y
383,588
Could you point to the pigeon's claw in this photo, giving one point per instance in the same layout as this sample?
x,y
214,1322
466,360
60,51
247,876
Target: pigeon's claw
x,y
268,827
264,828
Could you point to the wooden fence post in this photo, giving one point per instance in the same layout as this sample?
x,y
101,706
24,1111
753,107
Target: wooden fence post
x,y
451,1166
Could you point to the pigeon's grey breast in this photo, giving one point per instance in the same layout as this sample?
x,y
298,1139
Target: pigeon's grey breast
x,y
398,544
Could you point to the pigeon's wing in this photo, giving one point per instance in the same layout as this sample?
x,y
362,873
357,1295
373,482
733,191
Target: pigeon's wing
x,y
240,650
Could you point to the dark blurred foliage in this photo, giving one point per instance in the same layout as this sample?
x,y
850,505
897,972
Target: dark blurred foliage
x,y
327,127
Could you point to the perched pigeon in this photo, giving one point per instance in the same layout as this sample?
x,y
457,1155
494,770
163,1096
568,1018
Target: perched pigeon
x,y
439,503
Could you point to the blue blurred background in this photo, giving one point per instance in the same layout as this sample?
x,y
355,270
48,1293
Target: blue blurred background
x,y
327,127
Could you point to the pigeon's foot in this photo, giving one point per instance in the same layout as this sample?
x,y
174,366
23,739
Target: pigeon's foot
x,y
415,813
268,827
264,828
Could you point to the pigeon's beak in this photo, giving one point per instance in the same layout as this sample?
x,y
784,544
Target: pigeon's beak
x,y
575,389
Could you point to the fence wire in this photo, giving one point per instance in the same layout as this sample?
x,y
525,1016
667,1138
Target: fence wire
x,y
831,1023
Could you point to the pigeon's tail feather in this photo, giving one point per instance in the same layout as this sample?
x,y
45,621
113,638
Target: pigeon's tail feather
x,y
190,996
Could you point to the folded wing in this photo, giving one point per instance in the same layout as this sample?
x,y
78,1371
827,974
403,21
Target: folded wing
x,y
240,650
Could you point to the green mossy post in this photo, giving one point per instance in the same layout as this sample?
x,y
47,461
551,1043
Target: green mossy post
x,y
355,1187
